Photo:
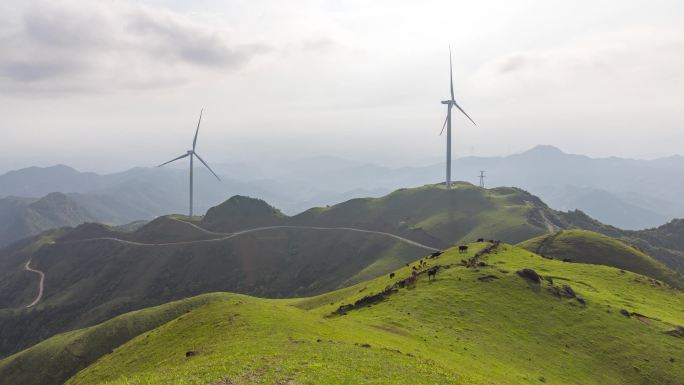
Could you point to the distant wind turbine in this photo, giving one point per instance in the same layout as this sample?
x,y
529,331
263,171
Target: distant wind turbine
x,y
447,122
192,154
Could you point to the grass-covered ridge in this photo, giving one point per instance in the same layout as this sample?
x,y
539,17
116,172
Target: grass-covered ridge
x,y
470,325
92,280
58,358
590,247
91,277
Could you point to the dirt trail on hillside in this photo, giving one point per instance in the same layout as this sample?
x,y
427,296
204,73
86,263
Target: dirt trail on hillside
x,y
226,236
40,285
550,227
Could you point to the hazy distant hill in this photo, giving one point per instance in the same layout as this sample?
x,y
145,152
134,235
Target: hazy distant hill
x,y
627,193
144,193
24,217
630,194
35,182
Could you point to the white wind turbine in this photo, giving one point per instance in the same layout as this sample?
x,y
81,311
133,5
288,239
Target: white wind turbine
x,y
447,122
191,153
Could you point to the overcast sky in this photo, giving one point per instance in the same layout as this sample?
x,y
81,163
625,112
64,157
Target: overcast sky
x,y
107,85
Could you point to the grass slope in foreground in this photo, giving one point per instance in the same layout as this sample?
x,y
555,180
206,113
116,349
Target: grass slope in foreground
x,y
484,325
590,247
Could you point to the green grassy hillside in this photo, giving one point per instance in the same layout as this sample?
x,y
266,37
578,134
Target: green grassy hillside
x,y
431,214
665,242
471,325
60,357
462,214
589,247
91,281
90,278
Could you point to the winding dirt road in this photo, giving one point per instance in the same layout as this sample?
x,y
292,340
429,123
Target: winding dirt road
x,y
225,236
40,285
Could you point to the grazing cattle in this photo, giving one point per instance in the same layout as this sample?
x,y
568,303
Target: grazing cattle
x,y
436,254
480,239
391,275
432,273
462,249
567,260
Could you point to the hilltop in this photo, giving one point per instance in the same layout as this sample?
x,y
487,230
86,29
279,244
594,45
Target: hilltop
x,y
590,247
241,212
481,324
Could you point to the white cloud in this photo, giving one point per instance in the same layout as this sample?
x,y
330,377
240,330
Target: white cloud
x,y
69,45
632,66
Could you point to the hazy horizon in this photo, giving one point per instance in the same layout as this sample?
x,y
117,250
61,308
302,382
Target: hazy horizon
x,y
109,86
431,161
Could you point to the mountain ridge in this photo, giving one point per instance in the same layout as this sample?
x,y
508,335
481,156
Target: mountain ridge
x,y
294,186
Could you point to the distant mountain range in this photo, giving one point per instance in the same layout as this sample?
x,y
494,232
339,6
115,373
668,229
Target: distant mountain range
x,y
629,194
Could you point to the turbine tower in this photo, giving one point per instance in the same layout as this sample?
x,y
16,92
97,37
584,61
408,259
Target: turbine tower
x,y
482,178
447,122
192,154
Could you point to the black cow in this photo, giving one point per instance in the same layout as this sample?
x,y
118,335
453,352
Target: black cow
x,y
462,249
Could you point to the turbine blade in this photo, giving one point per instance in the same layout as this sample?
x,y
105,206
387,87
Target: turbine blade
x,y
464,113
444,125
174,159
194,142
205,163
451,75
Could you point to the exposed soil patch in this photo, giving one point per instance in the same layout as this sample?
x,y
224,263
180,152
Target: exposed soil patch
x,y
487,278
391,330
